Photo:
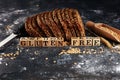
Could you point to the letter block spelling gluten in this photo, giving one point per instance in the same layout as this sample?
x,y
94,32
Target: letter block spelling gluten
x,y
41,42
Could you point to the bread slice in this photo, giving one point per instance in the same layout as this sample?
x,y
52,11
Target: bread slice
x,y
67,19
55,27
36,27
57,22
64,25
72,21
70,11
30,29
48,24
79,22
41,23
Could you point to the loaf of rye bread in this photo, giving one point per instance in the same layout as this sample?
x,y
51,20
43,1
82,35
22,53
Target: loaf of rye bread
x,y
64,23
104,30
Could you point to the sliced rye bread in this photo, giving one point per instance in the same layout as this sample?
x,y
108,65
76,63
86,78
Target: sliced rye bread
x,y
55,27
36,27
65,25
70,25
42,25
48,24
78,21
29,27
70,11
57,22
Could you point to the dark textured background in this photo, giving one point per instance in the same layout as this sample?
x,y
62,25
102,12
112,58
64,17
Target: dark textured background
x,y
29,66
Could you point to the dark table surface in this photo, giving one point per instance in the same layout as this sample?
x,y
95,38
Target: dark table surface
x,y
46,63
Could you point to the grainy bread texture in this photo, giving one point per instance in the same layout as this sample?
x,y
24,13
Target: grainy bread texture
x,y
64,23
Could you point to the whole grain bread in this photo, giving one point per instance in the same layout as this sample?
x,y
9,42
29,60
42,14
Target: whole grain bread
x,y
64,23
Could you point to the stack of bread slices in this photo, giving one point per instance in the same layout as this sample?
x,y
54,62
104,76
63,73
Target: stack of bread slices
x,y
64,23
